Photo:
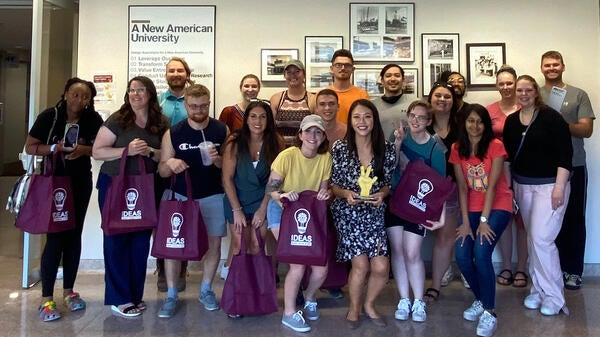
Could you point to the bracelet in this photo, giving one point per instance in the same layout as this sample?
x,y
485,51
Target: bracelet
x,y
236,209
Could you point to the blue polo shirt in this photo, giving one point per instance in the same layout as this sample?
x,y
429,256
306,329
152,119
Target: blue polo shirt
x,y
172,107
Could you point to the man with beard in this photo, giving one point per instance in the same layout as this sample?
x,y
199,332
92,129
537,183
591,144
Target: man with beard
x,y
171,101
576,109
392,105
181,151
342,68
177,76
457,81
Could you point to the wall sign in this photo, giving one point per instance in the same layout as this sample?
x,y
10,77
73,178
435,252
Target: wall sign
x,y
157,33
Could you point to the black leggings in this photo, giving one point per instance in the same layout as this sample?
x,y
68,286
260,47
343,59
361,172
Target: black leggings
x,y
67,244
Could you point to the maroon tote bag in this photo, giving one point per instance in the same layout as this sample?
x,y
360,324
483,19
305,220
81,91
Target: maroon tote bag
x,y
420,194
181,232
130,201
49,206
250,287
303,231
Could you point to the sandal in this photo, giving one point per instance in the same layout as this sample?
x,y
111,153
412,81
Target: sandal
x,y
520,280
504,280
130,311
142,306
431,295
74,302
48,312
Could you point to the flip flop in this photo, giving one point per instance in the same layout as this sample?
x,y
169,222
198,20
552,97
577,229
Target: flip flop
x,y
142,306
128,312
504,280
520,280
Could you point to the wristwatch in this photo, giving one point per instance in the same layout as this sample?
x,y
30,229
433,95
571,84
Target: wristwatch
x,y
482,219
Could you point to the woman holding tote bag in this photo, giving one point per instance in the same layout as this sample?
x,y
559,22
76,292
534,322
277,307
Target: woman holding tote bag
x,y
137,127
75,111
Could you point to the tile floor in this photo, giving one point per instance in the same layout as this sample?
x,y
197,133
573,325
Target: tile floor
x,y
19,317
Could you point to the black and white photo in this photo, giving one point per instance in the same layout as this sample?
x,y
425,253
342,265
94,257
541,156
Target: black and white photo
x,y
483,61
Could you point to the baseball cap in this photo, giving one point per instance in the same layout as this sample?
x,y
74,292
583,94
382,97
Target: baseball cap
x,y
312,120
296,63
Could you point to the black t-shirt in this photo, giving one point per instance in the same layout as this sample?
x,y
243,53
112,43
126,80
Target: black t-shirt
x,y
89,124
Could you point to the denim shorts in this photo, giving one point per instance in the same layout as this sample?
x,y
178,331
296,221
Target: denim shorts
x,y
274,211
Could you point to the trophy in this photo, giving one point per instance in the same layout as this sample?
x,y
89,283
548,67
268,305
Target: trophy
x,y
365,182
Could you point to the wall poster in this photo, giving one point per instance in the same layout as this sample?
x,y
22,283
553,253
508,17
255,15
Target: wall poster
x,y
157,33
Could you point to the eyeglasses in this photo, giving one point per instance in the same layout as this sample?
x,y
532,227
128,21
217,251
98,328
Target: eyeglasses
x,y
137,91
343,65
419,118
195,107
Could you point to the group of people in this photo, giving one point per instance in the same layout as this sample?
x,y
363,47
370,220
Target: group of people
x,y
352,152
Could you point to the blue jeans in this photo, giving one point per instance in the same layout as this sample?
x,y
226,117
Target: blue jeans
x,y
475,259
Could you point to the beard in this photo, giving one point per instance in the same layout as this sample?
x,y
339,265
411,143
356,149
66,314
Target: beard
x,y
176,83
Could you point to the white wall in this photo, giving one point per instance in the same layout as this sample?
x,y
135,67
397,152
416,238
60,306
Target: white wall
x,y
528,28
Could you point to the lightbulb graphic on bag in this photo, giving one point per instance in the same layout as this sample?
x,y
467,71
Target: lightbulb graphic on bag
x,y
176,222
59,197
131,197
425,187
302,217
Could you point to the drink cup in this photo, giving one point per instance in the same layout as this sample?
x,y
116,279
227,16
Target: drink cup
x,y
205,148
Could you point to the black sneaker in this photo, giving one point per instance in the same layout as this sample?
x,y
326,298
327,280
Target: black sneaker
x,y
573,282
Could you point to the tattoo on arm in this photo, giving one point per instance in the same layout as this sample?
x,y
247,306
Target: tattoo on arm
x,y
273,185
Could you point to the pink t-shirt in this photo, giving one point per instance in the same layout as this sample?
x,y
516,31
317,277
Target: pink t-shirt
x,y
477,174
498,118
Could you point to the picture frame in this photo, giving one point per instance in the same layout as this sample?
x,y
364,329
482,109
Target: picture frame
x,y
483,61
440,52
272,62
383,32
318,52
367,77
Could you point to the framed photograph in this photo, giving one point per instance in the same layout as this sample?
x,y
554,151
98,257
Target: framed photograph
x,y
483,60
440,53
272,62
382,32
411,83
318,52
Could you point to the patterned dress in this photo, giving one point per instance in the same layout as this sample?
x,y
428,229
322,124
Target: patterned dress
x,y
361,227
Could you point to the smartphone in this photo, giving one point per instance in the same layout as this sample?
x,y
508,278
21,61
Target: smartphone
x,y
71,135
358,197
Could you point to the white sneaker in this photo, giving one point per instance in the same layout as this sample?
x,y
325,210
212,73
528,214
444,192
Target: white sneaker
x,y
418,311
224,272
487,324
532,301
403,309
448,276
474,311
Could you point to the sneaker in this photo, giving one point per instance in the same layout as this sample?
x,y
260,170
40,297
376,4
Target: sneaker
x,y
224,272
549,309
474,311
487,324
464,281
418,311
209,300
335,293
448,276
532,301
403,309
168,308
311,311
573,282
295,322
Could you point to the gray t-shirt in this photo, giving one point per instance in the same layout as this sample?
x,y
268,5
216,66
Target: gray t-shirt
x,y
391,112
576,105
